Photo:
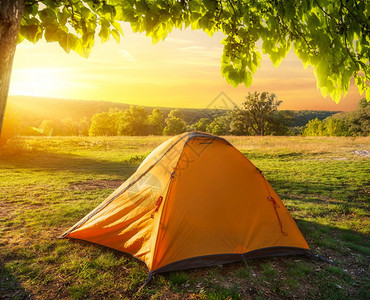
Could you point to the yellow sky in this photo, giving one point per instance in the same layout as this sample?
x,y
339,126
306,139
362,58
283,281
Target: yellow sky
x,y
182,71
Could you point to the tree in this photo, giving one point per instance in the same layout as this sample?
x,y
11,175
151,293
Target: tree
x,y
238,126
47,127
314,127
360,119
156,122
357,122
202,124
83,126
175,123
279,123
12,126
103,124
335,127
331,35
259,112
10,16
352,123
68,127
70,23
133,121
219,126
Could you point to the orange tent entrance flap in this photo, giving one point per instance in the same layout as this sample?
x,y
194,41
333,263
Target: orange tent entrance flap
x,y
215,206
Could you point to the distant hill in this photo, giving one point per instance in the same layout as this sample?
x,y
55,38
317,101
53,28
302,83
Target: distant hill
x,y
36,109
33,110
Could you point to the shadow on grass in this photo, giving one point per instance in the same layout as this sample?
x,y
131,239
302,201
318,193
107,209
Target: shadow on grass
x,y
332,235
285,156
340,192
47,161
10,287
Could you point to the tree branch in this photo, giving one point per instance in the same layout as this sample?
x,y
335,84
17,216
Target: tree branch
x,y
317,3
353,15
31,3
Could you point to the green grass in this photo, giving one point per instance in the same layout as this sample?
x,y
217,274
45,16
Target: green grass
x,y
178,278
47,184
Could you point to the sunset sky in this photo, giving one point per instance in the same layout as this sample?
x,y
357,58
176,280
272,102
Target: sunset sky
x,y
182,71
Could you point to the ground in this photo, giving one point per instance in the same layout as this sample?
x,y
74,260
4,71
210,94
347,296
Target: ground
x,y
48,184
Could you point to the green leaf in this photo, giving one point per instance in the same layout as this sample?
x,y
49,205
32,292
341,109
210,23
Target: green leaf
x,y
118,27
32,9
313,21
32,32
210,4
290,10
20,38
320,30
324,42
47,15
116,35
63,42
358,81
68,42
51,34
79,49
246,19
104,33
85,12
87,39
336,95
247,78
194,6
62,16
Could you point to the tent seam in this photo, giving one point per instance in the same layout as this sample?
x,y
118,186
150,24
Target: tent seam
x,y
164,203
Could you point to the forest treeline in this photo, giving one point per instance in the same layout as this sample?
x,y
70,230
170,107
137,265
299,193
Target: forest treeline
x,y
258,115
353,123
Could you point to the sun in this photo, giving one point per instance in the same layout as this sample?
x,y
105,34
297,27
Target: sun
x,y
44,82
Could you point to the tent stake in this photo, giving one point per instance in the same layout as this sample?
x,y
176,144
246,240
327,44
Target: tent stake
x,y
245,261
150,277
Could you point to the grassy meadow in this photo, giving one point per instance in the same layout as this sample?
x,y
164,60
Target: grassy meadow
x,y
48,184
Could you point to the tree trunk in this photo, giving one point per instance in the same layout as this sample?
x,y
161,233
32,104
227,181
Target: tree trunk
x,y
11,12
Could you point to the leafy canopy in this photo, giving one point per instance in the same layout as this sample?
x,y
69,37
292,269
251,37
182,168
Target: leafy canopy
x,y
333,36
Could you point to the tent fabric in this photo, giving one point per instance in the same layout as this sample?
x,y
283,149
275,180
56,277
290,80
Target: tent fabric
x,y
195,201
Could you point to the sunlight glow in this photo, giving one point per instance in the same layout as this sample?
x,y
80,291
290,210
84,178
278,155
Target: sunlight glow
x,y
182,71
48,82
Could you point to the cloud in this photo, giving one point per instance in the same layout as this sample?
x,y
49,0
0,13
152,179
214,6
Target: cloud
x,y
209,52
126,55
174,40
193,48
195,55
187,62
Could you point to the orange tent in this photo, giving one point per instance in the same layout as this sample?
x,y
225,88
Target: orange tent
x,y
195,201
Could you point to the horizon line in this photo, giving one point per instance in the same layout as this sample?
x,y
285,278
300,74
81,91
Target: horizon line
x,y
147,106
